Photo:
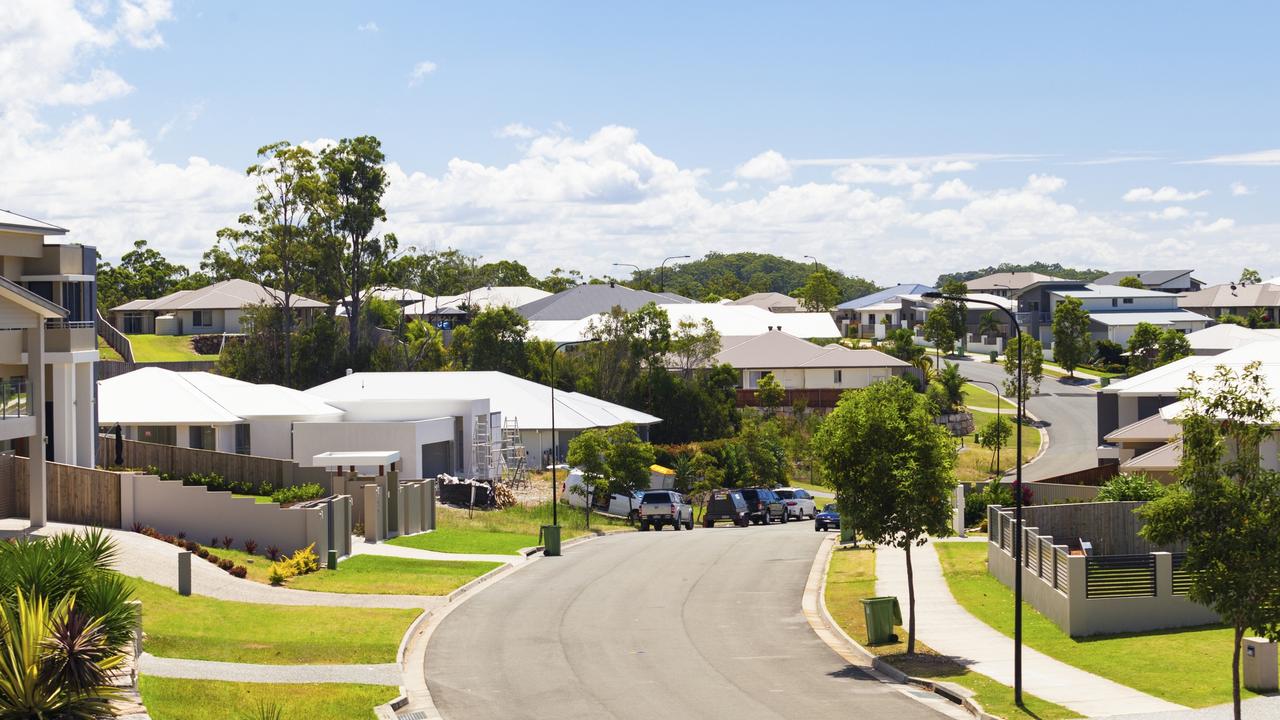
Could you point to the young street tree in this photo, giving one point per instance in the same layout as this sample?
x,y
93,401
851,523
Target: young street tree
x,y
1072,344
1032,364
940,328
1144,347
1226,505
770,394
588,453
1173,345
892,468
353,182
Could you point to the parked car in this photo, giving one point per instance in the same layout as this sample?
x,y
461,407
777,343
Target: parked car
x,y
665,507
764,505
799,503
726,505
828,518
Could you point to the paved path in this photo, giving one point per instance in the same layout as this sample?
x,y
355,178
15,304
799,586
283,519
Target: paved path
x,y
360,547
945,626
1262,708
383,674
156,561
1070,416
702,624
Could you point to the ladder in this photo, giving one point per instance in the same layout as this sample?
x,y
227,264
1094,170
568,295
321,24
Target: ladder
x,y
482,448
512,458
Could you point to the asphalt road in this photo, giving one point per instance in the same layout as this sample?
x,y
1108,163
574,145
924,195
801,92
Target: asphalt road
x,y
702,624
1069,415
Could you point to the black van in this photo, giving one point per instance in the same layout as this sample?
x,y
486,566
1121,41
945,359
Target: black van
x,y
726,505
764,505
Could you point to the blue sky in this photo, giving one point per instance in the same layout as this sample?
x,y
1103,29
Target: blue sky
x,y
905,138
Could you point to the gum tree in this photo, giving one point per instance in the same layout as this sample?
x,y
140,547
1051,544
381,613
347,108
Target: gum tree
x,y
892,468
1226,505
1072,344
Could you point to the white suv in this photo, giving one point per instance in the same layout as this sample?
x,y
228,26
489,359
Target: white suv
x,y
799,502
665,507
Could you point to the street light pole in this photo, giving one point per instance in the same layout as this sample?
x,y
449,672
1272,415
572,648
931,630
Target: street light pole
x,y
555,503
662,271
1017,493
815,261
630,265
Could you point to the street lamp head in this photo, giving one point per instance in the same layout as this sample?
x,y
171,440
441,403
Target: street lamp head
x,y
932,295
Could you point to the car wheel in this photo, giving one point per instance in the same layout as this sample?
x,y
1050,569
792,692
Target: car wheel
x,y
817,527
688,525
786,517
676,525
766,519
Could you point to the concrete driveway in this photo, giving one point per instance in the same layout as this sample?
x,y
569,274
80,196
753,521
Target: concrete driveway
x,y
702,624
1068,412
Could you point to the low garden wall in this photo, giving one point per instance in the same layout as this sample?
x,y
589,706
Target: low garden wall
x,y
180,461
1100,594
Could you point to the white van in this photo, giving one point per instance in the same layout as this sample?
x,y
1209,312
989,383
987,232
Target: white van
x,y
620,504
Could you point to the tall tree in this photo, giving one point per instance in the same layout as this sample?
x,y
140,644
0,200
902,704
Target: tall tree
x,y
278,236
143,273
1143,347
1173,345
353,183
1032,367
1072,344
693,345
493,340
892,468
819,293
1226,505
1249,276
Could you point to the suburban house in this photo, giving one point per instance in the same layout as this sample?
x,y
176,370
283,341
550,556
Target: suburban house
x,y
214,309
1114,311
1170,281
771,301
48,347
1005,284
731,321
1233,299
478,299
400,296
974,310
584,301
1217,339
875,314
816,374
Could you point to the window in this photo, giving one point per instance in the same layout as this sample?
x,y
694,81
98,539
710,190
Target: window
x,y
201,437
1113,302
159,434
201,318
754,377
1128,301
837,376
242,439
133,323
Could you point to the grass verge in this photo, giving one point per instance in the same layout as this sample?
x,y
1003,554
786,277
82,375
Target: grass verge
x,y
980,398
975,462
852,576
393,576
106,352
1189,666
175,699
501,532
165,348
202,628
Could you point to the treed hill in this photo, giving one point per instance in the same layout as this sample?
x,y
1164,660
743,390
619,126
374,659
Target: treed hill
x,y
1054,269
732,275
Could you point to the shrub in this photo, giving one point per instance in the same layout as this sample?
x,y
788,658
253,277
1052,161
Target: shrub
x,y
275,576
975,503
1131,487
239,571
250,545
304,560
226,564
298,493
201,552
139,528
227,542
273,553
213,559
182,536
190,545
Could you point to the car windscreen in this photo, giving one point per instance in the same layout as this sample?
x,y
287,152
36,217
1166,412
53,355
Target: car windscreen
x,y
787,494
657,498
831,507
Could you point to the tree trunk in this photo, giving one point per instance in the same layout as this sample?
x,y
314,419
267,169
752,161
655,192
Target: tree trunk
x,y
353,312
588,509
1235,672
911,604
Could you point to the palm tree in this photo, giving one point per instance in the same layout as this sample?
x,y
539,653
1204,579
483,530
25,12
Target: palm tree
x,y
987,324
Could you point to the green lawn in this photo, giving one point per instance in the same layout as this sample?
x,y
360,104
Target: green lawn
x,y
980,397
164,348
174,699
393,576
501,532
811,488
973,463
105,351
1189,666
259,499
852,576
202,628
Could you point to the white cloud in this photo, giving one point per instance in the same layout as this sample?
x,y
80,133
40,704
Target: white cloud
x,y
516,130
421,71
1260,157
1045,184
730,186
954,189
1239,188
1172,212
1166,193
769,166
367,27
862,174
952,166
1216,226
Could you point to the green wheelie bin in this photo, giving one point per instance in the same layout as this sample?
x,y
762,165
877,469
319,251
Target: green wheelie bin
x,y
882,614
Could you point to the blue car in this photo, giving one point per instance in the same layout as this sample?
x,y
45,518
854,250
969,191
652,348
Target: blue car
x,y
828,518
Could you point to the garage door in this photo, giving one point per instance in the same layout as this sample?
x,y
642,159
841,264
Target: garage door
x,y
437,458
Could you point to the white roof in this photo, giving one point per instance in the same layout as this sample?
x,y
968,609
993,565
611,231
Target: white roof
x,y
1169,379
155,396
729,321
1156,317
779,350
226,295
1226,336
1092,290
13,222
400,296
1165,458
482,298
525,401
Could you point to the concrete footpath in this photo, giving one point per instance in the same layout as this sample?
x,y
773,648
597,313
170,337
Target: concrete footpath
x,y
945,626
377,674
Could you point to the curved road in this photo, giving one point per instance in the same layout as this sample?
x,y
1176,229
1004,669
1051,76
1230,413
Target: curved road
x,y
1069,415
702,624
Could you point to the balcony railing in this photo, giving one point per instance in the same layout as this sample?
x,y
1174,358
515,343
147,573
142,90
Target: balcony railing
x,y
14,401
69,335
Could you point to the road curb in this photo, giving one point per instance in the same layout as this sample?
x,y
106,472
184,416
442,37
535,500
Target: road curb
x,y
420,632
829,631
